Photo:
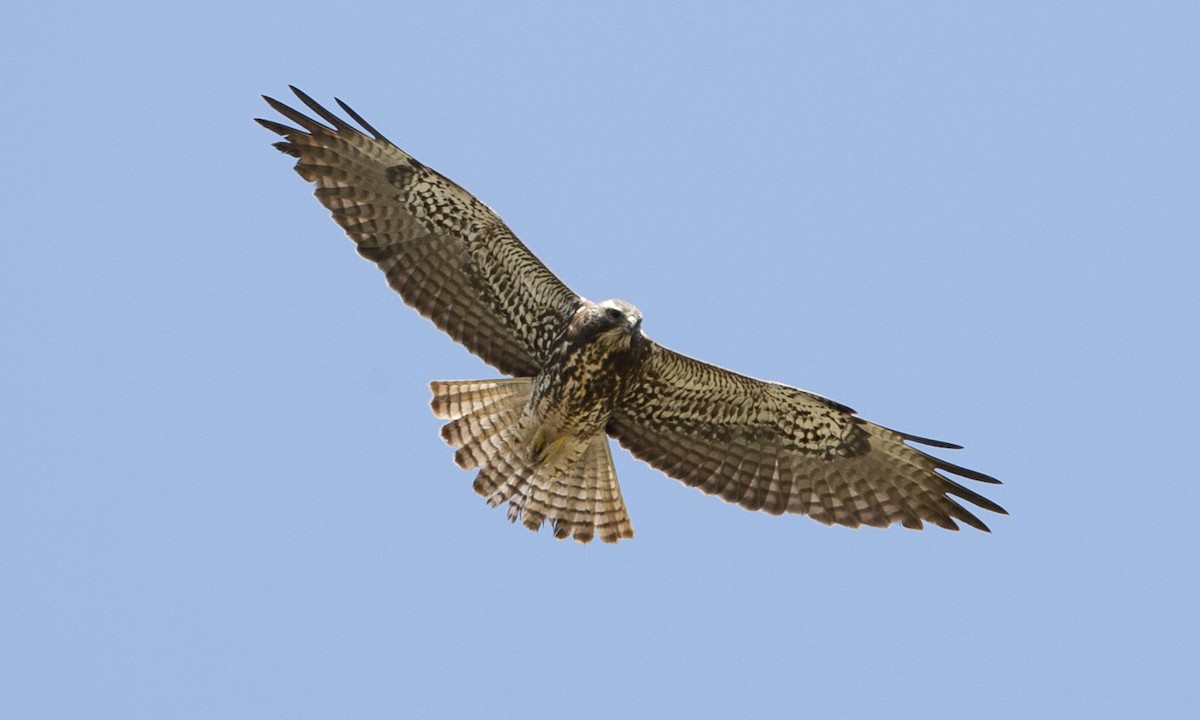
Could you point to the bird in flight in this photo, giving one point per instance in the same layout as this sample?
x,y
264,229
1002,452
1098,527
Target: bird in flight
x,y
582,371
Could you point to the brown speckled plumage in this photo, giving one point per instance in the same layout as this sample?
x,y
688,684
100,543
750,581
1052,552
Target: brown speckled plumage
x,y
584,369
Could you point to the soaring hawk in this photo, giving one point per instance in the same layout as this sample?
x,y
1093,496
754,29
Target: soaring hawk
x,y
582,371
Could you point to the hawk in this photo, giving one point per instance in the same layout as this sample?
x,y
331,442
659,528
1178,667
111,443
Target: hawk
x,y
582,371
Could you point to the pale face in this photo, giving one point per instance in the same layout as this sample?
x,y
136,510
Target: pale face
x,y
618,313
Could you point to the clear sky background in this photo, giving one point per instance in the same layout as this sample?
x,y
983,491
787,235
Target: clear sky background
x,y
222,493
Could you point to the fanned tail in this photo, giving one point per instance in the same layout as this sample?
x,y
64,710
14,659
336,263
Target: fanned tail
x,y
570,484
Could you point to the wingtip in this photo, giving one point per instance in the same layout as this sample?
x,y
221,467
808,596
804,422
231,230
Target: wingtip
x,y
277,128
362,123
310,125
929,441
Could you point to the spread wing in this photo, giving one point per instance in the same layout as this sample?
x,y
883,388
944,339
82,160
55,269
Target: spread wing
x,y
771,447
447,254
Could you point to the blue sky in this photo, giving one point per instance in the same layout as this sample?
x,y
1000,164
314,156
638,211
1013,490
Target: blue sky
x,y
222,493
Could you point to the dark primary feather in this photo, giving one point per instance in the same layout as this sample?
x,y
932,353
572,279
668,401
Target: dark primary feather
x,y
446,253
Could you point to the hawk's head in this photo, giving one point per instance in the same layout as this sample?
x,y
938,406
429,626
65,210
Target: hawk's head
x,y
613,322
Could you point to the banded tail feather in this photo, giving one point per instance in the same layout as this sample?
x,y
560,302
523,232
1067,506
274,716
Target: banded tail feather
x,y
569,483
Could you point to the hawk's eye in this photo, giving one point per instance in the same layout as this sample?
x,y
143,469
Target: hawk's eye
x,y
614,314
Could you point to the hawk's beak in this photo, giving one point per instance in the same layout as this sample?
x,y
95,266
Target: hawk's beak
x,y
633,324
